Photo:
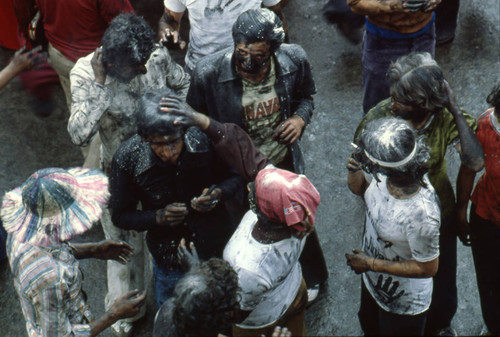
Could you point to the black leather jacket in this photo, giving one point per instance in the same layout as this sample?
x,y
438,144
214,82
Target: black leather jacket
x,y
216,89
137,175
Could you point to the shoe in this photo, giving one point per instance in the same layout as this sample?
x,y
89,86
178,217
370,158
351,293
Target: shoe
x,y
122,329
448,331
312,293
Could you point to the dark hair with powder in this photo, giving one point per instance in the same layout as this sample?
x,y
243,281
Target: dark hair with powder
x,y
257,25
392,140
151,120
128,41
206,299
493,98
417,80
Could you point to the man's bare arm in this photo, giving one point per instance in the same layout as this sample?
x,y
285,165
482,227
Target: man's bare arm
x,y
169,27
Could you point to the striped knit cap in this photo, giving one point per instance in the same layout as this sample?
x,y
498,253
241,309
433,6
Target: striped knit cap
x,y
54,205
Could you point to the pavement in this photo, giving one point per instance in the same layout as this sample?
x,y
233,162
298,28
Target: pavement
x,y
471,65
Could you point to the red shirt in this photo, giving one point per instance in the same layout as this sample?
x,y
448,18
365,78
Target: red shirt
x,y
8,25
486,196
75,27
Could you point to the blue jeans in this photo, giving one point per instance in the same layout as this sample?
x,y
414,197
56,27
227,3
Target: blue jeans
x,y
444,294
485,241
376,57
375,321
165,281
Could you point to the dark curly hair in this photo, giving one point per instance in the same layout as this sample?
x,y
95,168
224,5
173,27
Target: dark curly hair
x,y
257,25
150,119
206,299
493,98
128,41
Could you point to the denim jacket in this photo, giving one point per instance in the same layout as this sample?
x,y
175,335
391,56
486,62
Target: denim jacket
x,y
216,89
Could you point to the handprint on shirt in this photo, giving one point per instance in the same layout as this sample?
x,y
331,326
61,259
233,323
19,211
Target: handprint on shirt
x,y
386,291
219,8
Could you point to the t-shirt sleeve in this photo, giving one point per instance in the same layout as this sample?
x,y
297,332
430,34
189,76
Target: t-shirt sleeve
x,y
253,287
423,234
269,3
178,6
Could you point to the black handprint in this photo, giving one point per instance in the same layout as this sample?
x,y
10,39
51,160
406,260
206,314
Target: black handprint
x,y
387,292
219,8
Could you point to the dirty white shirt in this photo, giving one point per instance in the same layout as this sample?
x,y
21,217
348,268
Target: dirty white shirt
x,y
269,275
211,23
110,108
401,230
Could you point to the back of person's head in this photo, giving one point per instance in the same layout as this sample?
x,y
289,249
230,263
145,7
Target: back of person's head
x,y
390,146
151,121
493,98
257,25
416,79
206,299
128,41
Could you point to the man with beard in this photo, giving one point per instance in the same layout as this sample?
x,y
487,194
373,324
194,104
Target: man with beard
x,y
265,87
106,87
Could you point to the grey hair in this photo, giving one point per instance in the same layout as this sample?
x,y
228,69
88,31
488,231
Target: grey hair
x,y
257,25
418,80
151,120
392,140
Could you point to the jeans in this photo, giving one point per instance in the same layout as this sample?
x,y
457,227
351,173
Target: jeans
x,y
485,241
444,294
375,321
165,281
376,57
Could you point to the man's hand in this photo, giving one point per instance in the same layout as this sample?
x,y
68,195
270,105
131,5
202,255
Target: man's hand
x,y
289,130
113,250
186,116
281,332
188,257
23,60
452,104
463,227
129,304
172,215
98,67
359,261
171,39
208,199
431,5
352,164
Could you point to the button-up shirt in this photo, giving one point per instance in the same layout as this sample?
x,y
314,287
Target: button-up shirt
x,y
110,108
49,284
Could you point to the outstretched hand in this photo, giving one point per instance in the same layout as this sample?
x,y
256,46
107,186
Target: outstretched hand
x,y
185,115
208,199
129,304
188,258
288,131
113,250
23,59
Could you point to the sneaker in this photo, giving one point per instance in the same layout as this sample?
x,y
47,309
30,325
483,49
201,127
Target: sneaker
x,y
122,329
312,293
448,331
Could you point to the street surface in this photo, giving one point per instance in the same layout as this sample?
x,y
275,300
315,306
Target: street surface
x,y
471,65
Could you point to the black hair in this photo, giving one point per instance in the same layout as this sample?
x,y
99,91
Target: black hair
x,y
128,41
257,25
392,140
206,299
151,120
493,98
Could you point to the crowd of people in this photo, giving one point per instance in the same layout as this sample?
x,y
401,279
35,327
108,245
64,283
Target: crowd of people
x,y
196,175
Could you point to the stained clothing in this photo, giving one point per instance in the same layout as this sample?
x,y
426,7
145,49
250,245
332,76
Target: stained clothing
x,y
49,284
441,132
110,108
400,230
216,89
75,28
138,175
486,196
269,275
211,22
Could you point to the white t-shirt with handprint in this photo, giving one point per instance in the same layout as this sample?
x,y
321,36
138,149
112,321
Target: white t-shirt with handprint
x,y
401,230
